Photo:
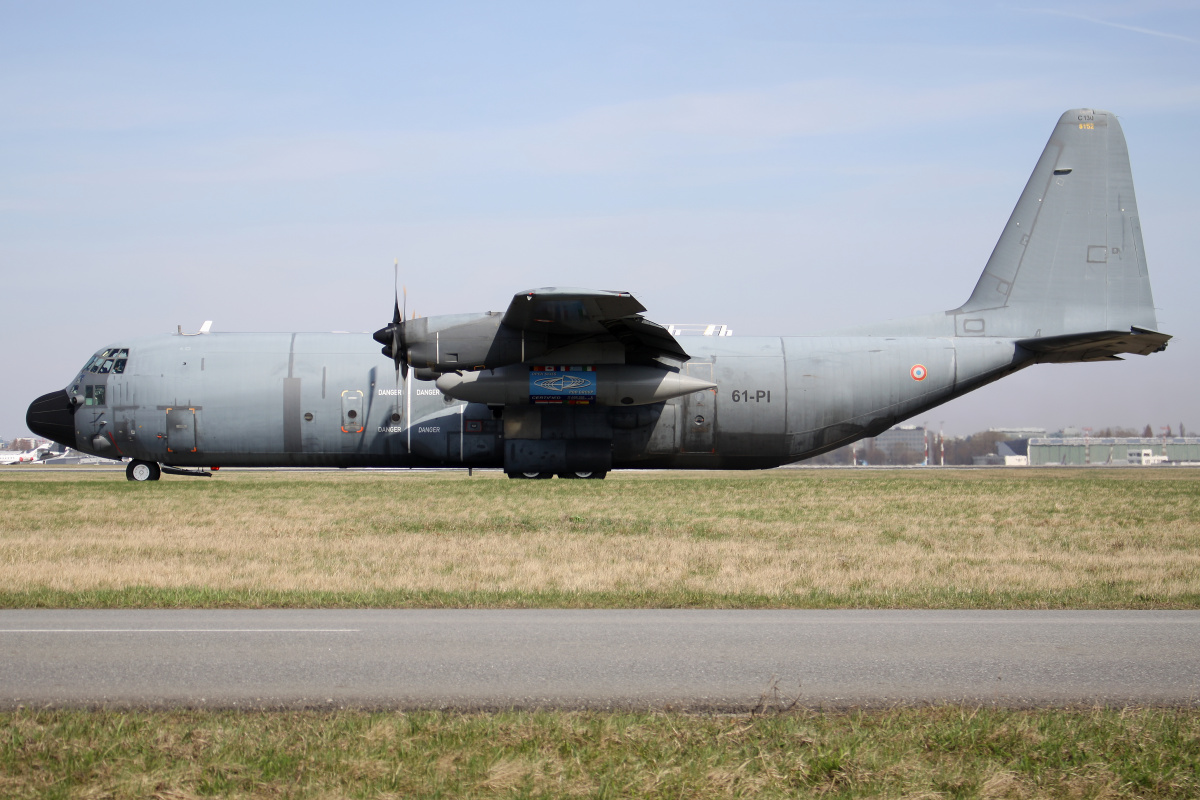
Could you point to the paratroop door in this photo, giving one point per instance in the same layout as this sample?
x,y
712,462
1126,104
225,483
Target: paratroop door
x,y
181,430
352,416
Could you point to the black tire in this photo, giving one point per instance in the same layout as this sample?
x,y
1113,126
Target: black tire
x,y
530,476
141,471
583,475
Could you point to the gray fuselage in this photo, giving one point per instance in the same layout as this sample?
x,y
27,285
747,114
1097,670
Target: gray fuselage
x,y
330,399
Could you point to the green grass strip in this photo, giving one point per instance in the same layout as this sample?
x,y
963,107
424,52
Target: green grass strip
x,y
949,752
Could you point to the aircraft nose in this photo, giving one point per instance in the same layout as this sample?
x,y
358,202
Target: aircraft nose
x,y
52,417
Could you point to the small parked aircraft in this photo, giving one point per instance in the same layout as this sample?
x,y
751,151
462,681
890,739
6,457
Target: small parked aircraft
x,y
38,453
576,382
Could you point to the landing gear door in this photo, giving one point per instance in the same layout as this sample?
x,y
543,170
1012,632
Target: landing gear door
x,y
352,411
181,430
699,413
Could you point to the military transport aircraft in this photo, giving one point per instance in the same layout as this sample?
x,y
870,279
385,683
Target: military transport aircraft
x,y
576,382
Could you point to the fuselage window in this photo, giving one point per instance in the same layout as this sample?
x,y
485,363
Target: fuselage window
x,y
93,395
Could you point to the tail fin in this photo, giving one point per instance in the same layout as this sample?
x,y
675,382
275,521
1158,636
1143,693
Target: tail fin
x,y
1070,261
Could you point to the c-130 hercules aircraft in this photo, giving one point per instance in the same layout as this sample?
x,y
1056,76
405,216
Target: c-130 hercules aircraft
x,y
576,383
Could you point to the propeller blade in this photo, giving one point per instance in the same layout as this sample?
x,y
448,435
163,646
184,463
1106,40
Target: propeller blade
x,y
399,352
396,315
392,336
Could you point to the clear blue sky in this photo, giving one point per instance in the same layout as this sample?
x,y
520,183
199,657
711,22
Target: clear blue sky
x,y
782,167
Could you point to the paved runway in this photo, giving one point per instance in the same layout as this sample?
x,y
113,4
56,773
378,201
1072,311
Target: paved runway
x,y
688,660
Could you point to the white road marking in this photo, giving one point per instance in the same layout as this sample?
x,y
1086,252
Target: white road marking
x,y
180,630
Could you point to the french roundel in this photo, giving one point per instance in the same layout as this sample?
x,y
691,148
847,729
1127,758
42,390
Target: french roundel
x,y
918,372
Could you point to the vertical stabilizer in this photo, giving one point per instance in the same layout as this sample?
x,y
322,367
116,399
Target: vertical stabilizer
x,y
1070,260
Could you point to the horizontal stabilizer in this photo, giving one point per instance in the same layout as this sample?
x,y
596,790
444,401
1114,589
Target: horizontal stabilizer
x,y
1096,345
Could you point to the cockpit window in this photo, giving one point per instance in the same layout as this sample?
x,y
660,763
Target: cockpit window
x,y
94,395
110,360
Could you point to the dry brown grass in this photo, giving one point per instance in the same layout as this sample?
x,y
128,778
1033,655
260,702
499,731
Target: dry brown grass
x,y
794,537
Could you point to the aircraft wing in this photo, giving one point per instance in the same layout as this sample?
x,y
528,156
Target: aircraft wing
x,y
592,313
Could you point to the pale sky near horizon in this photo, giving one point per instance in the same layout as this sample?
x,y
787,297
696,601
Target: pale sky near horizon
x,y
781,167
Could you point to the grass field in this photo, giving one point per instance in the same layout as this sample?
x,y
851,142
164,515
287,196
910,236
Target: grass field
x,y
926,753
1100,538
796,538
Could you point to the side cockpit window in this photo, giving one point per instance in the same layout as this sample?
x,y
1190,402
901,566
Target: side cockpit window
x,y
94,395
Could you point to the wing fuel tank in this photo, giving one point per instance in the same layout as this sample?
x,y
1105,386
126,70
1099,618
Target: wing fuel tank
x,y
604,384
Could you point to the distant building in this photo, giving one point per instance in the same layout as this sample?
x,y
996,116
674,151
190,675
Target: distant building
x,y
1075,451
1145,457
1013,453
1010,434
903,444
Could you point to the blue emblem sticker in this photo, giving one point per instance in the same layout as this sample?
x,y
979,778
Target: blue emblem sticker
x,y
562,385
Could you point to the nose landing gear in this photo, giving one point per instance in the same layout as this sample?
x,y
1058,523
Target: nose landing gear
x,y
142,471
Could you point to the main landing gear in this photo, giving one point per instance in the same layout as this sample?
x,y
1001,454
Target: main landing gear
x,y
541,476
142,471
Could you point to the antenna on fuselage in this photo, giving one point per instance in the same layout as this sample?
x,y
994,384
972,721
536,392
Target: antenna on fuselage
x,y
205,328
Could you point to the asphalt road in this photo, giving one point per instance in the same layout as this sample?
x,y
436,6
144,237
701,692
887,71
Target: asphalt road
x,y
686,660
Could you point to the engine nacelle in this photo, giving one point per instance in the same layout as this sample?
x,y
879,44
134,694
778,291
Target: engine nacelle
x,y
435,345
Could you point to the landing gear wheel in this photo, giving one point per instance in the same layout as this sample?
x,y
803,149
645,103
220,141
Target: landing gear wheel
x,y
141,471
531,476
584,475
